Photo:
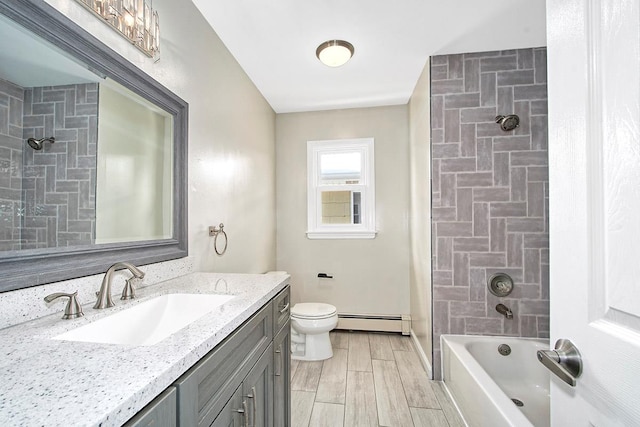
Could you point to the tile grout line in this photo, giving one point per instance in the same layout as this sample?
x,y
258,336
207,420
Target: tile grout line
x,y
375,393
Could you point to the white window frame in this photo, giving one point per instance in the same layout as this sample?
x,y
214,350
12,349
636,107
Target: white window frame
x,y
315,228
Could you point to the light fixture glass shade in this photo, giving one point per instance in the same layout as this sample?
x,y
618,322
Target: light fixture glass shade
x,y
334,53
134,19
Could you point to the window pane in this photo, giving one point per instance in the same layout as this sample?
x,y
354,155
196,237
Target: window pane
x,y
341,168
336,207
341,207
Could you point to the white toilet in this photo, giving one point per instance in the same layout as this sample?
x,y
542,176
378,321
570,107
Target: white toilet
x,y
310,326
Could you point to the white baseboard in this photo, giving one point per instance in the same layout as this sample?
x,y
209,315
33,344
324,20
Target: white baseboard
x,y
374,323
422,355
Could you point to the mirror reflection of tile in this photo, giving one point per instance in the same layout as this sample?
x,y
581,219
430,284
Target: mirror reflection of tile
x,y
47,196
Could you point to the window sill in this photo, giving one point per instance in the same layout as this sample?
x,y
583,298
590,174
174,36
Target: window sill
x,y
341,235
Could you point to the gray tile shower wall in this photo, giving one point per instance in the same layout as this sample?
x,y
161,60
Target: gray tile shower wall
x,y
11,103
60,180
489,193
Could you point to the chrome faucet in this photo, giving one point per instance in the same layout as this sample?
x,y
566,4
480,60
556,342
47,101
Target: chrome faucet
x,y
104,295
505,311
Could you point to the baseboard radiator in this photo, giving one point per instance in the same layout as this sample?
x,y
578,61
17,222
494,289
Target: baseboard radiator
x,y
374,323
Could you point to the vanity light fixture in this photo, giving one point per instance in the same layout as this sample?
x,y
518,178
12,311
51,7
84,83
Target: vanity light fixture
x,y
133,19
334,53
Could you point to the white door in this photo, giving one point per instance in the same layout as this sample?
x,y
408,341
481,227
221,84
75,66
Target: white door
x,y
594,154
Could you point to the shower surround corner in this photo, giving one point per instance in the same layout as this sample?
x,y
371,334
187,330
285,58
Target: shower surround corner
x,y
490,202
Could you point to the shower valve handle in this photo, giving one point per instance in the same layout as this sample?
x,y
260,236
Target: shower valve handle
x,y
565,361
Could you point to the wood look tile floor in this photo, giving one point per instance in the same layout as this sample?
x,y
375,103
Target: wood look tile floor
x,y
373,379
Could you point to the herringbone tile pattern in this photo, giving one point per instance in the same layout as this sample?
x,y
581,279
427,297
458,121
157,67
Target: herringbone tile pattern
x,y
59,181
11,101
490,193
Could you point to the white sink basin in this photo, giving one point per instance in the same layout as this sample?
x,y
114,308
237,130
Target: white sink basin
x,y
149,322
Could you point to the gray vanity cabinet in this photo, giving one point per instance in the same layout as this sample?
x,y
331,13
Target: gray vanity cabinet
x,y
207,387
250,404
233,385
233,413
243,382
282,359
257,389
281,377
161,412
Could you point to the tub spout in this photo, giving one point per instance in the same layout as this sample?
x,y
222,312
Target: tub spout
x,y
505,311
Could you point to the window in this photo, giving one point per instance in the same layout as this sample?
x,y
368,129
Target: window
x,y
340,189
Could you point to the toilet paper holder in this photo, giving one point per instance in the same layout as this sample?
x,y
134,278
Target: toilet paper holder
x,y
324,276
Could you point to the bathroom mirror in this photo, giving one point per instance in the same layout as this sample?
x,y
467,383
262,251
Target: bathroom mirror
x,y
92,154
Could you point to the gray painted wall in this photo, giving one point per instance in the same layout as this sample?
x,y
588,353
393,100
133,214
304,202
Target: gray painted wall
x,y
489,193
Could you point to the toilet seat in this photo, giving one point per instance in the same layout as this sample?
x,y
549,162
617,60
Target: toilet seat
x,y
313,310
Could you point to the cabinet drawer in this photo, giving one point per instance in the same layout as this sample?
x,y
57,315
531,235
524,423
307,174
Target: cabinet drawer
x,y
205,388
161,412
281,310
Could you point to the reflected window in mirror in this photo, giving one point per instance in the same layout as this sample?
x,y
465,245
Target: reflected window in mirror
x,y
341,189
134,180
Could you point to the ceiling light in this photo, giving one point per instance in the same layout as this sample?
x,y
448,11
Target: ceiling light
x,y
334,53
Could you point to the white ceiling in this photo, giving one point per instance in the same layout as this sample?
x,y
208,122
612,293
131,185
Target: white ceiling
x,y
275,43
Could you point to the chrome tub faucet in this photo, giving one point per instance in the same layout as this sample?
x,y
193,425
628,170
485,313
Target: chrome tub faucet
x,y
104,295
505,311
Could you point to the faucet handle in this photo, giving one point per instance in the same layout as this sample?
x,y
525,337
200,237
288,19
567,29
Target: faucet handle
x,y
73,308
129,291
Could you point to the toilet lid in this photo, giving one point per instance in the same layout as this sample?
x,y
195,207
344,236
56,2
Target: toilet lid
x,y
313,310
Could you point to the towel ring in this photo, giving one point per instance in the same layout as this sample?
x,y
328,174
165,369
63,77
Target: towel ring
x,y
215,232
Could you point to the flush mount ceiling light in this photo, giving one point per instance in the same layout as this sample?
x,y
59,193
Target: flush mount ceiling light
x,y
334,53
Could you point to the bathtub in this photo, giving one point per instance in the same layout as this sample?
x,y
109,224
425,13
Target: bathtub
x,y
482,382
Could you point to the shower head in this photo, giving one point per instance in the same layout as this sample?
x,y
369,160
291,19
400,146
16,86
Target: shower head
x,y
37,144
508,123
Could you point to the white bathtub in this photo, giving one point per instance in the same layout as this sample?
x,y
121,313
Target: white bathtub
x,y
482,382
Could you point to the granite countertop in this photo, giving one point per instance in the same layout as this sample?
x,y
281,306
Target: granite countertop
x,y
49,382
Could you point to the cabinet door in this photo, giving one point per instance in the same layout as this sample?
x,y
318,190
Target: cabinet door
x,y
207,386
281,377
161,412
257,390
234,412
